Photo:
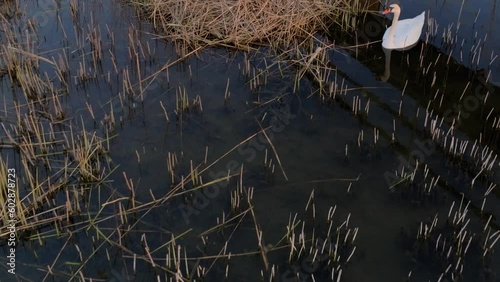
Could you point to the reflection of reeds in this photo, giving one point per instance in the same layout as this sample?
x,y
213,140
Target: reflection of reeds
x,y
165,112
181,100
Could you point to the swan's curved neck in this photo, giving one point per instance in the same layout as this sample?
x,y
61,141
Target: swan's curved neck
x,y
393,26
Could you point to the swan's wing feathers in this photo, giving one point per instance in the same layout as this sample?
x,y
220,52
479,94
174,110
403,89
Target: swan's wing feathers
x,y
408,31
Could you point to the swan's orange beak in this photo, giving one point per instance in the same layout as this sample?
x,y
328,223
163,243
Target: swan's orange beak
x,y
387,11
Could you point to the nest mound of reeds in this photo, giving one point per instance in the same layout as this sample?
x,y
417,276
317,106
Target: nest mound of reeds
x,y
243,23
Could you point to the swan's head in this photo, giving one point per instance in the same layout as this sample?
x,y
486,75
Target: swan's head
x,y
394,8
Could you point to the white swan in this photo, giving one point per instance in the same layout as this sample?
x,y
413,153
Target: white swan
x,y
404,34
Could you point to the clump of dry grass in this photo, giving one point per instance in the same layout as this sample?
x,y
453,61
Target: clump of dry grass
x,y
56,159
242,23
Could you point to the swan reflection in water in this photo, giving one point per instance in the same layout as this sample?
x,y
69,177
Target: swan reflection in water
x,y
402,35
387,69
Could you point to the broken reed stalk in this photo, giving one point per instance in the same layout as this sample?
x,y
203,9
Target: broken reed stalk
x,y
259,234
274,149
176,190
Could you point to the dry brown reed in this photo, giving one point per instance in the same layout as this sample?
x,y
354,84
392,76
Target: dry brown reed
x,y
56,158
61,162
243,23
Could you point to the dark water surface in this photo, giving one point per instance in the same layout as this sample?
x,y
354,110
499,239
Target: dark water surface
x,y
322,146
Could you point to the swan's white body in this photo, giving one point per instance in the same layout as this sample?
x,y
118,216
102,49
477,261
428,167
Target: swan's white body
x,y
402,34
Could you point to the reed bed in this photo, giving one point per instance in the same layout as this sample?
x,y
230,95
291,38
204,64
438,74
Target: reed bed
x,y
56,167
56,158
245,23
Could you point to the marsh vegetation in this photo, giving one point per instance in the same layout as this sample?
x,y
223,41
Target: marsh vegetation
x,y
184,140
